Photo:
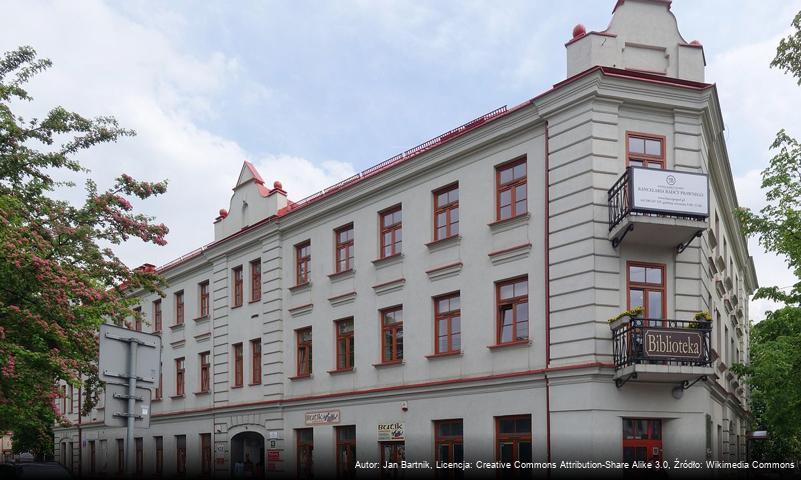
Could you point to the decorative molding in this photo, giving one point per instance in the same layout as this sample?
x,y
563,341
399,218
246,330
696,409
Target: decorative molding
x,y
444,271
442,244
509,223
303,287
389,286
343,299
301,310
178,343
202,337
339,276
387,261
510,254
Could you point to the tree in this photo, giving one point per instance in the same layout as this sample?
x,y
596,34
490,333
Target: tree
x,y
59,279
773,373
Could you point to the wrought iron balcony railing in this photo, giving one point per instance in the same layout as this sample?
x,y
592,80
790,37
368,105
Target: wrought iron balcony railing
x,y
661,342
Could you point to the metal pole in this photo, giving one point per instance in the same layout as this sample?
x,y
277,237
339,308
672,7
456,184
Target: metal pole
x,y
130,453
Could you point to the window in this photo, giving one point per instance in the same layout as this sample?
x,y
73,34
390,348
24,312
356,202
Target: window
x,y
205,452
344,248
392,453
238,366
71,399
138,319
139,455
179,308
157,315
392,335
446,212
237,286
92,456
344,347
205,368
513,438
305,446
63,394
304,339
642,439
120,455
647,289
255,361
645,150
179,376
346,451
447,324
510,182
160,388
159,455
303,262
512,298
204,299
255,280
180,451
391,232
449,444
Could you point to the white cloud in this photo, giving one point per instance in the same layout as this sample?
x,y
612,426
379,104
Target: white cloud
x,y
300,177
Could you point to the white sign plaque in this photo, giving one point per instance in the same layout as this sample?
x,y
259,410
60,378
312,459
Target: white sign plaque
x,y
671,192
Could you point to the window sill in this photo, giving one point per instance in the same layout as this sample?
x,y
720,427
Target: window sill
x,y
435,356
236,386
393,363
511,222
177,326
201,318
516,343
301,377
174,397
201,393
301,287
342,275
444,242
255,300
341,370
390,260
253,384
236,306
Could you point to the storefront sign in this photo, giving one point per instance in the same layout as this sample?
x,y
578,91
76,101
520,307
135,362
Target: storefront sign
x,y
273,455
671,192
323,417
219,453
391,432
666,343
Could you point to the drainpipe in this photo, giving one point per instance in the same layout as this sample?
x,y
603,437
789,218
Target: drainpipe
x,y
547,299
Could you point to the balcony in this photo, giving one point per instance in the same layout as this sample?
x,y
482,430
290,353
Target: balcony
x,y
654,350
658,207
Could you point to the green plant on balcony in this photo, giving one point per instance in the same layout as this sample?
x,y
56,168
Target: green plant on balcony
x,y
632,313
700,319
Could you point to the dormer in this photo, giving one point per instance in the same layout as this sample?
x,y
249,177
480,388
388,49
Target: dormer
x,y
643,36
251,203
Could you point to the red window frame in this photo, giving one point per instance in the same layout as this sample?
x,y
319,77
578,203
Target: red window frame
x,y
448,435
205,371
205,452
392,453
255,361
304,438
303,262
159,454
446,212
513,438
304,352
344,344
179,307
447,314
238,365
391,329
518,178
238,287
647,287
346,450
344,254
638,440
138,319
515,304
157,316
180,376
255,280
646,159
180,454
204,298
391,231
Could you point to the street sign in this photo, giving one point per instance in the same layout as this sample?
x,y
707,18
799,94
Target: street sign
x,y
114,359
116,406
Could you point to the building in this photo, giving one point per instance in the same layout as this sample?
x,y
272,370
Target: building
x,y
498,251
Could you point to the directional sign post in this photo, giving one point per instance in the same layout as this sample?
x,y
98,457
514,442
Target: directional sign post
x,y
128,357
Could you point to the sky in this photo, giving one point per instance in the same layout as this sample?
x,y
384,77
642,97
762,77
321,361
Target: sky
x,y
312,92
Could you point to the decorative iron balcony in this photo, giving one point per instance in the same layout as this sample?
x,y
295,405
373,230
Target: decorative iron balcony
x,y
639,341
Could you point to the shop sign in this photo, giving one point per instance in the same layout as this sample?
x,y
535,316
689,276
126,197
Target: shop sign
x,y
391,432
669,192
273,455
667,343
322,417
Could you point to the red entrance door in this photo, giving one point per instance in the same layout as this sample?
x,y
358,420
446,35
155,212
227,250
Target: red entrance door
x,y
642,440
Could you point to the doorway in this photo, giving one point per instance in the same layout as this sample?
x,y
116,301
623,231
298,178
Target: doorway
x,y
247,455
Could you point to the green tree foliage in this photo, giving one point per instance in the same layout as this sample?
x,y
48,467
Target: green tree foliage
x,y
774,373
58,278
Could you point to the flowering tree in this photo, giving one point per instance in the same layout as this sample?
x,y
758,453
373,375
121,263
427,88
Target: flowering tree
x,y
57,280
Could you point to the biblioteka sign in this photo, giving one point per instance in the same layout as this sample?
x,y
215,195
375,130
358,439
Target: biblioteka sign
x,y
666,343
670,192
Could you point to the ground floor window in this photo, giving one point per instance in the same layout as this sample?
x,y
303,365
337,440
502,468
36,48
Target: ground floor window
x,y
393,453
205,453
159,455
139,456
346,451
449,446
92,456
513,439
305,447
642,439
120,455
180,452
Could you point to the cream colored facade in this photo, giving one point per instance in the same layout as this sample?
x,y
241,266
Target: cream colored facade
x,y
638,76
